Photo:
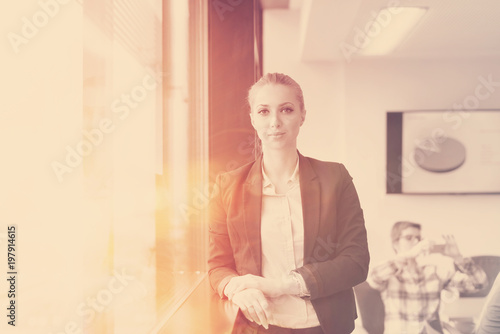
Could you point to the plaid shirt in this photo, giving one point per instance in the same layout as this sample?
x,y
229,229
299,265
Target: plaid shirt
x,y
411,292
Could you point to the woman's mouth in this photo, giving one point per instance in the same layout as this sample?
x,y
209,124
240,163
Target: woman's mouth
x,y
276,134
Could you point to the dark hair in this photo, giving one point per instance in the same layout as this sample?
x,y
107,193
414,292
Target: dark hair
x,y
277,79
398,227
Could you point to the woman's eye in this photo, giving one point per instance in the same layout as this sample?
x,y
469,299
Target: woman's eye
x,y
287,110
262,111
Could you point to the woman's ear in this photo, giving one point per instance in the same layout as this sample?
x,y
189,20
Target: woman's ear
x,y
251,119
303,115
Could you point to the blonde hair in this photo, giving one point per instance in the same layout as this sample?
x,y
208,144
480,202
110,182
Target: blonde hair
x,y
277,79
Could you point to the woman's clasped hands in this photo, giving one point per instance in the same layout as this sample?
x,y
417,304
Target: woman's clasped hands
x,y
250,293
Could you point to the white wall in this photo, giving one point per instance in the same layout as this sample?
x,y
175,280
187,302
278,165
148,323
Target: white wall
x,y
374,87
347,105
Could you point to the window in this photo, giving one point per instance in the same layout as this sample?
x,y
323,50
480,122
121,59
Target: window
x,y
162,89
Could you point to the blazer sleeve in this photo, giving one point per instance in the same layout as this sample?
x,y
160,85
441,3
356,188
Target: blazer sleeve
x,y
349,264
221,264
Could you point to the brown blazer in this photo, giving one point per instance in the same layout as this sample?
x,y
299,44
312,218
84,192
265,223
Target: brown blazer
x,y
335,247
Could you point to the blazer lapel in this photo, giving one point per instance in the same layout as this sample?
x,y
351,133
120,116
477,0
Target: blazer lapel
x,y
252,202
310,193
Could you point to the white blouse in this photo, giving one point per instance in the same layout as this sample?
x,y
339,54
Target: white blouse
x,y
282,238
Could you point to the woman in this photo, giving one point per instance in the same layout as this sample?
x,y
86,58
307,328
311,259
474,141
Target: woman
x,y
287,234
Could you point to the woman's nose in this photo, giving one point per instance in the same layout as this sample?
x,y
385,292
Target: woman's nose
x,y
275,121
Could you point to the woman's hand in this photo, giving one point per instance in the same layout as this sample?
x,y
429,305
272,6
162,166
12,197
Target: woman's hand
x,y
270,287
254,306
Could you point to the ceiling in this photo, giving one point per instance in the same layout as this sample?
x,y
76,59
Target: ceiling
x,y
450,28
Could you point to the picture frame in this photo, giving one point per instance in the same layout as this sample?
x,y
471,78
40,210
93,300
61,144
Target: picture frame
x,y
443,152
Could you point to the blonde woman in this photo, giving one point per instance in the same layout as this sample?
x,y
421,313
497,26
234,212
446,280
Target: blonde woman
x,y
287,234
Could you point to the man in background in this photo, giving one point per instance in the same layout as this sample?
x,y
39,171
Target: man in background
x,y
411,282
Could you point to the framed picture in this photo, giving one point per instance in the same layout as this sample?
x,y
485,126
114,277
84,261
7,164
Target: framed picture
x,y
443,152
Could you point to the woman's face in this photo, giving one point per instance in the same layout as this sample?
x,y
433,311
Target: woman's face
x,y
276,116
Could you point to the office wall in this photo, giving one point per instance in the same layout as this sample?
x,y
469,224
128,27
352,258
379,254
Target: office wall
x,y
347,104
374,87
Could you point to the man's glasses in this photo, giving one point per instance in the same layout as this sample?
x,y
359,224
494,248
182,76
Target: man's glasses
x,y
411,237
